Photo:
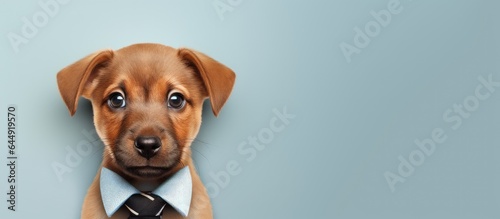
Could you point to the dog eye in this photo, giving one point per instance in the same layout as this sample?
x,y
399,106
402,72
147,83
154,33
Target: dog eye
x,y
116,100
176,101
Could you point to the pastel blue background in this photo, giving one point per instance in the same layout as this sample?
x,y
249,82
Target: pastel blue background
x,y
353,120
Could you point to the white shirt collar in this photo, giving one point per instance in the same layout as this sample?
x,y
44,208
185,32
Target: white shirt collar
x,y
176,191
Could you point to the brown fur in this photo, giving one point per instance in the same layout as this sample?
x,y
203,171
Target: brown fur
x,y
146,74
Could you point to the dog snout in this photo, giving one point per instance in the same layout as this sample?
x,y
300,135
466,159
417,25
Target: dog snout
x,y
147,146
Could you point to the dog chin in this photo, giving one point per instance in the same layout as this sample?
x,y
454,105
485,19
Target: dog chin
x,y
148,171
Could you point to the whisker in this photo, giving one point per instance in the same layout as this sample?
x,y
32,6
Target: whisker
x,y
209,163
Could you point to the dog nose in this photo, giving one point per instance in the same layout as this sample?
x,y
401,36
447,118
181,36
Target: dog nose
x,y
147,146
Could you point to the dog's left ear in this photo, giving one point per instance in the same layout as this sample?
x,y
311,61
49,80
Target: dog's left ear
x,y
217,78
73,79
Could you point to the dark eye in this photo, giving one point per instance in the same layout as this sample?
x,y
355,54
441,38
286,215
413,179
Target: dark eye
x,y
116,100
176,101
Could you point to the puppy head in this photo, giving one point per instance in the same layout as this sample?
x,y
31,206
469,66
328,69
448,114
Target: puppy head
x,y
147,102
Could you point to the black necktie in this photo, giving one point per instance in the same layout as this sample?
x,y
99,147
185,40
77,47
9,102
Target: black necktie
x,y
145,206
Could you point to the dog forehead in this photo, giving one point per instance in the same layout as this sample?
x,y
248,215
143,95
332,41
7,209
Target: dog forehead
x,y
143,55
146,47
153,67
147,61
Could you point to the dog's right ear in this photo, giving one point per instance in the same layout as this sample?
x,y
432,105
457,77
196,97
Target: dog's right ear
x,y
73,79
217,78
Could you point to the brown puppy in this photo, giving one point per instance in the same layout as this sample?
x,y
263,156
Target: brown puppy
x,y
153,94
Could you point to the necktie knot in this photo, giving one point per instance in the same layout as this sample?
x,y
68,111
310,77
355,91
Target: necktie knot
x,y
145,206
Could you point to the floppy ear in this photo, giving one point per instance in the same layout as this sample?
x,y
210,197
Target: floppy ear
x,y
73,79
217,78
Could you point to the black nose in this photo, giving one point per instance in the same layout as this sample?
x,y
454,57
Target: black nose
x,y
147,146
